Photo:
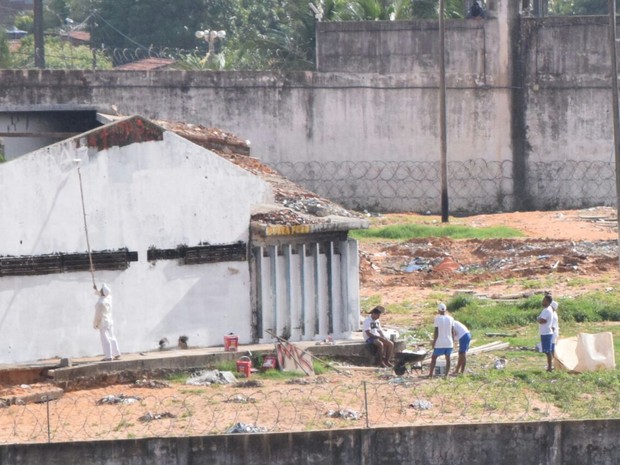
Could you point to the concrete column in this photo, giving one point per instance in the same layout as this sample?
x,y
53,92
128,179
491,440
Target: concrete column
x,y
330,287
273,260
302,290
288,318
257,290
317,289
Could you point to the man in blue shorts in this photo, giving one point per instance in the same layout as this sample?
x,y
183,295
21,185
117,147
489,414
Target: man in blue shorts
x,y
545,329
461,334
442,338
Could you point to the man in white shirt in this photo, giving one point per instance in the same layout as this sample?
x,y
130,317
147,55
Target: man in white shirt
x,y
461,334
442,338
545,322
103,322
373,334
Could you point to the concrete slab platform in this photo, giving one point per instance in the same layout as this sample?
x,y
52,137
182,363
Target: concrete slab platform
x,y
87,372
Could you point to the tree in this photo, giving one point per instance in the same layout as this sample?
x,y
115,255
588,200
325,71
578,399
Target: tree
x,y
25,22
58,55
580,7
158,23
55,13
5,57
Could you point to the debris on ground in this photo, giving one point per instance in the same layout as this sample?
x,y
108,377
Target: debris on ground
x,y
239,399
421,259
120,399
251,383
500,363
208,377
245,428
345,414
151,384
304,381
148,416
421,404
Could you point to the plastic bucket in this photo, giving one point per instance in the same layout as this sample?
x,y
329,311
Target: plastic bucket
x,y
440,367
244,365
231,343
270,362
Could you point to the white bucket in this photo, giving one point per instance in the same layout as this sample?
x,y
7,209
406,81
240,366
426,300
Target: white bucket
x,y
440,367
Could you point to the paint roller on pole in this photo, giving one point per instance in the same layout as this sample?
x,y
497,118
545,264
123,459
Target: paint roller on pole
x,y
77,161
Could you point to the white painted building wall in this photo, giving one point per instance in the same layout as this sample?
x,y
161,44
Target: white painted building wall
x,y
160,194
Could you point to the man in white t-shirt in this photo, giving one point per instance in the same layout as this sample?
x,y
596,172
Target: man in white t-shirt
x,y
442,338
373,334
545,329
461,334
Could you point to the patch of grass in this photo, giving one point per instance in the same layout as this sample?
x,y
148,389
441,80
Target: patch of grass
x,y
486,314
279,375
320,366
227,365
411,231
368,303
178,378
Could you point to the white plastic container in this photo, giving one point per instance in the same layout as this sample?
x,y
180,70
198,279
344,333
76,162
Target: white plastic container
x,y
440,367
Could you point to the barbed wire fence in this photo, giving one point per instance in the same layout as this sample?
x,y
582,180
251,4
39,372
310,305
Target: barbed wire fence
x,y
473,185
118,56
219,410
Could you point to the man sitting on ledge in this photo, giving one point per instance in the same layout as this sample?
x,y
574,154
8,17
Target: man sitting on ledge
x,y
375,336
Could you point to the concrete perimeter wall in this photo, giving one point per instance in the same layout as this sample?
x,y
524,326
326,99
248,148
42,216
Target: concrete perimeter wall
x,y
528,111
560,443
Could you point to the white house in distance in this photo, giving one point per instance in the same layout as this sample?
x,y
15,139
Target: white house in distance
x,y
193,236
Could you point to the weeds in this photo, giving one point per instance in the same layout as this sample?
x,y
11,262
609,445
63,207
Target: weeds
x,y
411,231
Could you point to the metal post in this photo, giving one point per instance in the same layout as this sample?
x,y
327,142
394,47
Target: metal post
x,y
366,404
442,114
614,103
49,429
39,44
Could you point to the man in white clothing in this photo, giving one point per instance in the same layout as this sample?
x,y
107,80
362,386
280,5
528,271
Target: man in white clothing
x,y
442,338
103,322
373,334
545,322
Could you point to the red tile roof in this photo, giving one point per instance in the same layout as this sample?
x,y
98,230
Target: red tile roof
x,y
146,64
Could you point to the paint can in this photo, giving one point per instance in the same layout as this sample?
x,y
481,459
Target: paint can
x,y
270,362
440,367
231,343
244,365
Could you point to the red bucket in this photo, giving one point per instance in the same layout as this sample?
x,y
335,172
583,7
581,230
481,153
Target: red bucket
x,y
270,362
244,365
231,343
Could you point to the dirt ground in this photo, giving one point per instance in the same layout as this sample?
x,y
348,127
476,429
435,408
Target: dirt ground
x,y
566,252
573,251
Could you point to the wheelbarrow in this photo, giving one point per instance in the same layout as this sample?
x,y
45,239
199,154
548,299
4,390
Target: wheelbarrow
x,y
408,357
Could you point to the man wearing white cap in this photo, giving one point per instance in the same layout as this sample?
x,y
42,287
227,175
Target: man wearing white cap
x,y
442,338
103,322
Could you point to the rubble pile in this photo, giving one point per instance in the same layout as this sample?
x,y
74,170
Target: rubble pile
x,y
429,259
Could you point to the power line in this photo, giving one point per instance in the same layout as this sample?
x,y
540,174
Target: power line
x,y
119,32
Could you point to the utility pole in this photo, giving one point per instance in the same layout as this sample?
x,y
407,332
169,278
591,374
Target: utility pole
x,y
614,104
39,44
443,132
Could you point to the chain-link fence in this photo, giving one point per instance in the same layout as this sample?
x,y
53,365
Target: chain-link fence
x,y
473,185
318,406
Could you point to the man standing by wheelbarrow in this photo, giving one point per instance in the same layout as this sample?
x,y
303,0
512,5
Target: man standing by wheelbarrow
x,y
442,338
375,336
